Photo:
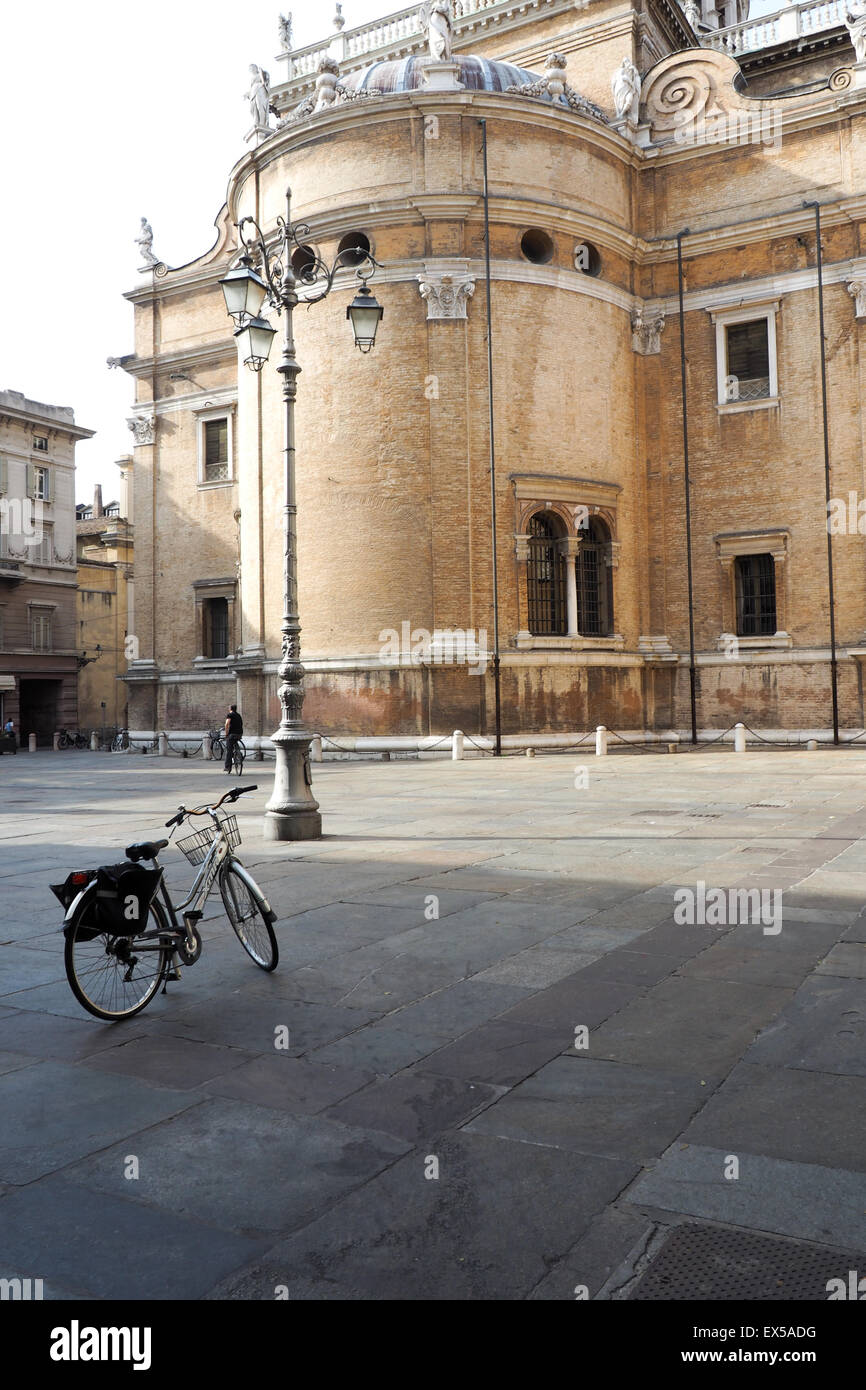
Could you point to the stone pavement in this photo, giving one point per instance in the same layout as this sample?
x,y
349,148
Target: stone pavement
x,y
433,1131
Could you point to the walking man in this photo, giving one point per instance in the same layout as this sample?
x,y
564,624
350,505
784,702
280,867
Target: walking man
x,y
234,732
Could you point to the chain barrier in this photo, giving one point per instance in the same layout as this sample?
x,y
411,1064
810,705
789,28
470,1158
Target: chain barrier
x,y
775,742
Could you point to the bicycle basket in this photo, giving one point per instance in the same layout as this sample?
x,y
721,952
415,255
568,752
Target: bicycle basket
x,y
196,846
124,893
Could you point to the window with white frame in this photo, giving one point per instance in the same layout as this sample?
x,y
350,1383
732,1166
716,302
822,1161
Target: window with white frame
x,y
41,552
215,449
40,629
746,364
39,483
40,443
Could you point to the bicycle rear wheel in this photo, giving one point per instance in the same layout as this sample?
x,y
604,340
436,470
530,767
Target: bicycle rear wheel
x,y
238,756
252,928
106,974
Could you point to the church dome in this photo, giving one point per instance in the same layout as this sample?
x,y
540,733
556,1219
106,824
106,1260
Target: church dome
x,y
407,74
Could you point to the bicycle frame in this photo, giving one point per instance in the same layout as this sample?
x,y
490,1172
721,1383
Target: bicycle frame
x,y
193,904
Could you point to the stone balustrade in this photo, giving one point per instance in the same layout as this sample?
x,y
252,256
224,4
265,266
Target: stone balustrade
x,y
398,34
792,22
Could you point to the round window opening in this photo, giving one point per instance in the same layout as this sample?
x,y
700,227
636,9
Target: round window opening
x,y
586,258
303,262
353,248
537,246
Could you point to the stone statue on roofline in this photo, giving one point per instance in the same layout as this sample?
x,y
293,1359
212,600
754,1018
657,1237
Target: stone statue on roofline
x,y
438,25
625,85
286,32
259,95
855,22
144,241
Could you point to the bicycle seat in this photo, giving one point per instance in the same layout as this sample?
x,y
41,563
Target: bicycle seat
x,y
148,849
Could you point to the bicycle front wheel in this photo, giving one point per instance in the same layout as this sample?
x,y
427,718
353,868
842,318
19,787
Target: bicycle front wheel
x,y
252,928
107,974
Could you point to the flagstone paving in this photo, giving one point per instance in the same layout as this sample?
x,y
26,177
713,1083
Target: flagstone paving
x,y
493,1062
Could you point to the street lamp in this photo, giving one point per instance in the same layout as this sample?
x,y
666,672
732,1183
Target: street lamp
x,y
268,275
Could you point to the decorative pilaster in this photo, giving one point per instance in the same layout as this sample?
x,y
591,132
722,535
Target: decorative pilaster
x,y
570,549
646,330
446,286
857,291
143,429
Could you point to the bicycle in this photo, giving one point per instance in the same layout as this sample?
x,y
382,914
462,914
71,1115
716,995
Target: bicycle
x,y
114,967
120,742
238,757
218,748
67,740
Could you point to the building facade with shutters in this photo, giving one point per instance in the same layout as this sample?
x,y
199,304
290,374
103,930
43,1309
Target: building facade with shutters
x,y
598,194
38,652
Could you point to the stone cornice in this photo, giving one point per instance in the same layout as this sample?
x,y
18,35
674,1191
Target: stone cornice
x,y
759,292
728,236
51,427
214,355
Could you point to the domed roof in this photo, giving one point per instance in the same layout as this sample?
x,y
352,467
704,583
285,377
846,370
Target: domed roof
x,y
407,74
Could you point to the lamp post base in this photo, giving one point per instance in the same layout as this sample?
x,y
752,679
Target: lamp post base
x,y
292,812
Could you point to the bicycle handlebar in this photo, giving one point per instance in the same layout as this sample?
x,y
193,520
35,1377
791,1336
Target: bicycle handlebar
x,y
231,795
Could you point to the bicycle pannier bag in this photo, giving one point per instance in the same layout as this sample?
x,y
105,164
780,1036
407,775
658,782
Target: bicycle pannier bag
x,y
124,893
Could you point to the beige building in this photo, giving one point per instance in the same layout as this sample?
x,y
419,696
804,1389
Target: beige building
x,y
104,538
38,652
737,125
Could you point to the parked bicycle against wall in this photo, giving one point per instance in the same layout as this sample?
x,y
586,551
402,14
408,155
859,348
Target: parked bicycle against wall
x,y
124,935
67,740
120,742
218,748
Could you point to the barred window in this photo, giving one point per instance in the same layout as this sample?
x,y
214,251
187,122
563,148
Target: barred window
x,y
594,582
546,578
756,595
216,620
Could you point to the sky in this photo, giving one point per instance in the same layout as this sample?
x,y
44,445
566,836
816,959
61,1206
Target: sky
x,y
111,111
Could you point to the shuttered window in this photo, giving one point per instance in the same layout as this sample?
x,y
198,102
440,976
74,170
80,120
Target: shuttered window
x,y
216,451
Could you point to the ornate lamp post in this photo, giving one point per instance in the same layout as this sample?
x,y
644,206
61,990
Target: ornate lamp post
x,y
269,275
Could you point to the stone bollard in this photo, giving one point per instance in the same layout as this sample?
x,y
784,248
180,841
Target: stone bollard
x,y
458,740
672,747
163,745
55,743
530,752
601,741
94,742
207,748
31,744
315,749
739,738
812,745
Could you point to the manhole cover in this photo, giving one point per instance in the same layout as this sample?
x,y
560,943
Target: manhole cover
x,y
705,1262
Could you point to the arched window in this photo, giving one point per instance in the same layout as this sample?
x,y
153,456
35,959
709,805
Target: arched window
x,y
594,581
546,577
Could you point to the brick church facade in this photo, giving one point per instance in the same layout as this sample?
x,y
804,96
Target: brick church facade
x,y
599,193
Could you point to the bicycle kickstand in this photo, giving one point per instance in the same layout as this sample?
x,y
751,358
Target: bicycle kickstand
x,y
174,973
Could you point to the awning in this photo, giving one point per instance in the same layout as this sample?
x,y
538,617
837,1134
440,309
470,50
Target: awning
x,y
7,682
